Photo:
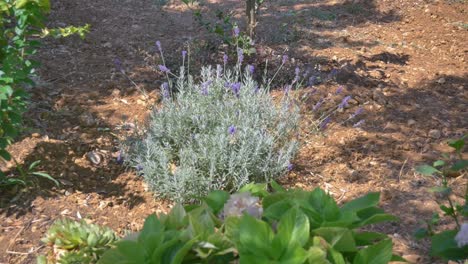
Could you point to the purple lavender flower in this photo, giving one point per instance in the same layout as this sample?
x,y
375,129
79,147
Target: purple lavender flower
x,y
324,123
204,86
357,112
256,89
251,68
297,71
184,54
240,55
317,105
225,58
165,89
339,90
344,102
232,129
333,73
219,71
285,59
290,167
118,65
139,167
236,31
163,68
235,87
312,80
120,158
358,124
287,88
158,45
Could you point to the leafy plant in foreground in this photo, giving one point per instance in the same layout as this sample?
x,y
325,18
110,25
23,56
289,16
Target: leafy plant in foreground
x,y
76,242
286,226
21,26
449,244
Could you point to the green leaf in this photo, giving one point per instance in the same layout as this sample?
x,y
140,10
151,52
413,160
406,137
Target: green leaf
x,y
4,154
324,204
444,246
152,234
317,256
364,202
427,170
367,238
457,144
441,190
176,218
255,236
397,258
256,189
459,165
294,227
216,200
34,164
339,238
276,187
421,233
438,163
46,176
380,253
126,252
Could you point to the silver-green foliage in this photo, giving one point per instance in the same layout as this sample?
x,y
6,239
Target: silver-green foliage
x,y
213,134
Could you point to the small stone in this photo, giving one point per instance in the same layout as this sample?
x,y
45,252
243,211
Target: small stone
x,y
87,119
413,258
36,135
68,192
411,122
94,157
434,133
441,81
107,45
65,182
116,93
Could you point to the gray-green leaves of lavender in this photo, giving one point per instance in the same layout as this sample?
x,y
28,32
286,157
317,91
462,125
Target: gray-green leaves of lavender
x,y
221,132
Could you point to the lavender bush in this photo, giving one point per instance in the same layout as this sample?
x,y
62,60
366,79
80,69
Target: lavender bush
x,y
221,132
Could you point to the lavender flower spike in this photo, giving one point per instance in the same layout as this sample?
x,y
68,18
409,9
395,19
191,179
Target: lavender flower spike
x,y
358,124
357,112
317,105
339,90
236,31
232,129
240,55
225,58
184,54
163,68
344,102
290,167
251,68
285,59
165,90
118,65
235,87
324,123
158,44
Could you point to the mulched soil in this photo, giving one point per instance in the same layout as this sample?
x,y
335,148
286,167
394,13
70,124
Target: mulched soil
x,y
403,61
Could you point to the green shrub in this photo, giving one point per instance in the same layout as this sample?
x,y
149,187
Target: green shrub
x,y
76,242
21,24
220,133
254,226
448,244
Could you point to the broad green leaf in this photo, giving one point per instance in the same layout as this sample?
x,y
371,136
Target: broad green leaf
x,y
324,204
367,238
317,256
126,252
366,201
380,253
378,218
256,189
336,257
438,163
427,170
152,234
216,200
277,187
339,238
294,227
459,165
397,258
176,218
179,254
421,233
444,245
457,144
255,236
